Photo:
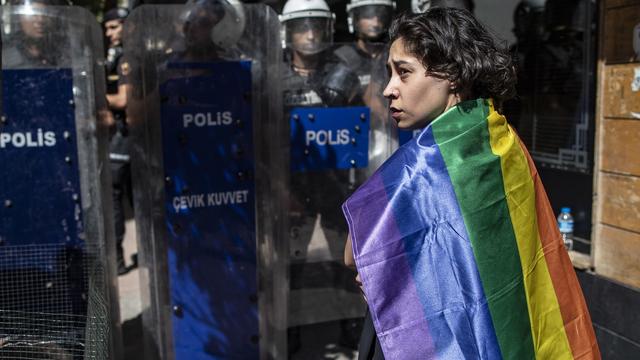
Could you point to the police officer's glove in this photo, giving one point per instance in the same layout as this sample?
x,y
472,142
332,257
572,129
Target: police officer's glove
x,y
340,86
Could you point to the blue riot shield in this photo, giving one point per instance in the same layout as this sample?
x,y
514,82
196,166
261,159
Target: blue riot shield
x,y
339,133
209,163
209,160
325,138
57,298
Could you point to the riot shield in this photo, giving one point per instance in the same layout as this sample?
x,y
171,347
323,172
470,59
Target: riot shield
x,y
340,133
209,159
372,79
58,298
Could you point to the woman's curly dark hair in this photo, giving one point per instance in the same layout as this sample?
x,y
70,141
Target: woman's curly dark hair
x,y
453,45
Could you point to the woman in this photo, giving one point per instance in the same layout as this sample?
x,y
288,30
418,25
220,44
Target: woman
x,y
453,237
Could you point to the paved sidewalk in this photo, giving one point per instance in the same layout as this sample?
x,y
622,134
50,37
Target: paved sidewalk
x,y
130,303
129,284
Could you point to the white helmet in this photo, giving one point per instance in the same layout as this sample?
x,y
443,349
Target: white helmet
x,y
229,21
295,9
535,3
420,6
305,15
383,9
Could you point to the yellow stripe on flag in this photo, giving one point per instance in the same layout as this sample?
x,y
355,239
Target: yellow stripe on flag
x,y
547,326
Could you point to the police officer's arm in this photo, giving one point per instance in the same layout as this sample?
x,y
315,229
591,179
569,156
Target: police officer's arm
x,y
118,101
106,117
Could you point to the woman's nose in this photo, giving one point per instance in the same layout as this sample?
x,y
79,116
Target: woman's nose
x,y
389,91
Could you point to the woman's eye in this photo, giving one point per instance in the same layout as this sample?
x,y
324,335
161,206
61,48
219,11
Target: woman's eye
x,y
402,72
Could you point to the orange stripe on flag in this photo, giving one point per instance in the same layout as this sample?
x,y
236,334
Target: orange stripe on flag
x,y
575,315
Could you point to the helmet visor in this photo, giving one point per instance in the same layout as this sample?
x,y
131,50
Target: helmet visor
x,y
309,35
372,21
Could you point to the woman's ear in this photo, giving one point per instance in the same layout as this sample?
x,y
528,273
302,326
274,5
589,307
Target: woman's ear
x,y
453,86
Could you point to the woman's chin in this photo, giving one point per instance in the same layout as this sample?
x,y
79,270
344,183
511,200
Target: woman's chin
x,y
407,125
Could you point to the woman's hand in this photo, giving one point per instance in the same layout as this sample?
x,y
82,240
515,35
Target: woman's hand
x,y
359,283
350,262
348,254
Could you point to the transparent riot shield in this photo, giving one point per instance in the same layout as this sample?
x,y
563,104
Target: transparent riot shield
x,y
58,295
340,133
209,159
372,79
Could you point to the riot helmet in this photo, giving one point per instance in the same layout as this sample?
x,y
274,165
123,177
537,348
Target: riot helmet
x,y
527,23
41,2
34,31
420,6
568,16
370,19
535,4
306,26
213,23
35,7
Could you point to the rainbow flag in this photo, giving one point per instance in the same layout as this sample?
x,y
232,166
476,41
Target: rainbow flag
x,y
459,252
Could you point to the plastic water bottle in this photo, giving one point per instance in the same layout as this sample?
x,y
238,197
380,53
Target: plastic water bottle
x,y
565,223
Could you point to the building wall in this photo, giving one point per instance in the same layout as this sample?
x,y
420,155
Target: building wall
x,y
616,249
615,313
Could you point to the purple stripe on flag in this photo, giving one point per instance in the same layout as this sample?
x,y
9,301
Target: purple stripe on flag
x,y
378,248
417,264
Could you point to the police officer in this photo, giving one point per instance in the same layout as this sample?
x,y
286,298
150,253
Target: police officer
x,y
117,70
211,30
35,43
420,6
369,20
313,75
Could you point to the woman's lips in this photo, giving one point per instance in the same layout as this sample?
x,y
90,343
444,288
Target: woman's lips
x,y
395,113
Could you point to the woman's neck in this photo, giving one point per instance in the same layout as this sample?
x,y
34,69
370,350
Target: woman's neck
x,y
453,100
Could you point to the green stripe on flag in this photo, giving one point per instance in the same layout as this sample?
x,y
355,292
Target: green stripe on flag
x,y
479,188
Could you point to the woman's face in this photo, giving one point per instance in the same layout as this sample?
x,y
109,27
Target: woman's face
x,y
415,98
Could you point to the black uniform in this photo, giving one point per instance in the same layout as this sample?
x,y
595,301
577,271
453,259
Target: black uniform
x,y
359,62
117,72
332,84
316,197
308,200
